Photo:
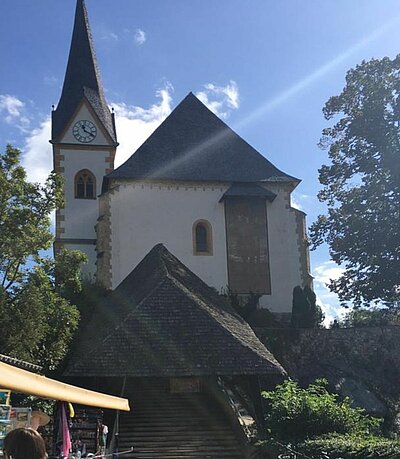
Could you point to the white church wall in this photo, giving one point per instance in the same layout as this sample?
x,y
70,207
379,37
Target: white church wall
x,y
144,214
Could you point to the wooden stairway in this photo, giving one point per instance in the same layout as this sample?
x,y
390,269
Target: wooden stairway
x,y
172,426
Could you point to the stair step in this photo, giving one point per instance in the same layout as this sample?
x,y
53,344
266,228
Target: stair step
x,y
183,445
179,431
173,422
198,454
182,449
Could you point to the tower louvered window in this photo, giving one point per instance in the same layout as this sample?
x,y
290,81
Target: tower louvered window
x,y
85,185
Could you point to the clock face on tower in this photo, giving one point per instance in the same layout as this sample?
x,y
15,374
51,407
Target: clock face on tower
x,y
84,131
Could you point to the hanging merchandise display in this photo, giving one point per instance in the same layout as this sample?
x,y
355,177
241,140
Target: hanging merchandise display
x,y
78,430
5,396
87,431
20,417
5,424
61,436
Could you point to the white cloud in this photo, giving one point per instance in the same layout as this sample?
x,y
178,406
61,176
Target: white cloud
x,y
326,299
301,201
37,158
50,80
327,271
140,37
331,309
11,105
13,110
110,36
135,124
295,202
220,99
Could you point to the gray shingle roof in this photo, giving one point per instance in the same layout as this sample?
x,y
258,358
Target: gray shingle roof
x,y
82,79
173,325
194,144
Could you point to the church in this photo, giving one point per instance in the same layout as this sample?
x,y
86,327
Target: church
x,y
195,212
194,185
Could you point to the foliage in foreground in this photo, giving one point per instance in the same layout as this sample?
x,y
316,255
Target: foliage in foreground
x,y
361,185
351,447
334,446
314,423
296,414
36,321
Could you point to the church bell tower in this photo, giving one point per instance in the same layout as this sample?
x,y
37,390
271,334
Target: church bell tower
x,y
84,143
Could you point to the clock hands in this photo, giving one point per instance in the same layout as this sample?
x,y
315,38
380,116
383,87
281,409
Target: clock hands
x,y
86,131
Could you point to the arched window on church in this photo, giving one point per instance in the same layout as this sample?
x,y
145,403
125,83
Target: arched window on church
x,y
85,185
202,238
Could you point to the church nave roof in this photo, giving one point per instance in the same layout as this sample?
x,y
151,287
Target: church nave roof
x,y
193,144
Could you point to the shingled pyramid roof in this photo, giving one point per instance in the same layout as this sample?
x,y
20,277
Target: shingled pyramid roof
x,y
194,144
82,79
173,324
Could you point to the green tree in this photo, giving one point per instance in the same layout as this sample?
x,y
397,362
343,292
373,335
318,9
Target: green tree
x,y
36,321
371,317
361,186
306,313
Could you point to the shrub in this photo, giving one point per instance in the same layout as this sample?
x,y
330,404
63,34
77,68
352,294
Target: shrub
x,y
334,446
351,447
295,413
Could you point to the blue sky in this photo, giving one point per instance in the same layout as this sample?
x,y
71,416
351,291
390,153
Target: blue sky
x,y
266,66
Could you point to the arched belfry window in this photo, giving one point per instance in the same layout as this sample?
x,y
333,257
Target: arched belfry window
x,y
202,238
85,185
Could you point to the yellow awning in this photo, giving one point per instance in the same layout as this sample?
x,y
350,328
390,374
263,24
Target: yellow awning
x,y
30,383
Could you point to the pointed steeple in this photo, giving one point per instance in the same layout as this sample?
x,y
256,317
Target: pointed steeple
x,y
82,79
